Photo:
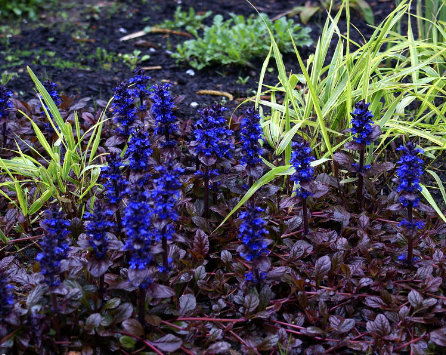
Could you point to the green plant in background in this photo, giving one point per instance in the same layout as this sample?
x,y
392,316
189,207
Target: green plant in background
x,y
105,58
27,8
190,21
132,60
242,80
7,76
307,11
239,40
70,169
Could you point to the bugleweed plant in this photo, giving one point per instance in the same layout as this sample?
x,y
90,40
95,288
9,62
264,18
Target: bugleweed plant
x,y
153,265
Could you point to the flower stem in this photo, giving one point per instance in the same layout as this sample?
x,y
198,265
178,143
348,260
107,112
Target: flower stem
x,y
359,195
410,234
55,316
206,192
165,252
101,286
142,303
305,215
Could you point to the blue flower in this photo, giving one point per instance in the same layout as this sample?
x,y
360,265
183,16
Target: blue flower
x,y
136,222
140,82
212,137
96,230
364,168
251,134
162,110
409,171
252,233
250,277
5,103
139,151
124,110
362,123
51,87
411,225
166,193
301,159
116,184
403,257
6,298
54,244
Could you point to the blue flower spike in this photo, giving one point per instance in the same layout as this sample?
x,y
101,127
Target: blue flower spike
x,y
252,233
116,184
6,298
54,245
5,102
251,136
212,136
165,196
140,82
124,110
410,171
162,109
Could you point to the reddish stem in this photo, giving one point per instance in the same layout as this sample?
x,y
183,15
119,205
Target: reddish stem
x,y
141,339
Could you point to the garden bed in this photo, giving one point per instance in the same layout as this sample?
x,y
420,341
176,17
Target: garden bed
x,y
161,222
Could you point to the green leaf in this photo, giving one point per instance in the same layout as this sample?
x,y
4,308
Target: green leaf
x,y
37,204
427,195
127,342
366,11
269,176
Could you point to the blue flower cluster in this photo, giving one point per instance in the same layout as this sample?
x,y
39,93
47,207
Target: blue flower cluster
x,y
249,276
251,134
6,298
124,110
116,184
162,110
139,151
166,193
54,244
136,219
411,225
403,257
362,123
212,136
409,171
96,230
252,233
5,103
140,83
51,87
301,159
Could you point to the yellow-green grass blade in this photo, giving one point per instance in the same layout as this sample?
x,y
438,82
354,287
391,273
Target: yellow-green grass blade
x,y
269,176
427,195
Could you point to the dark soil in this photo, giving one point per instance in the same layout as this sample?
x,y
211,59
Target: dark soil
x,y
102,27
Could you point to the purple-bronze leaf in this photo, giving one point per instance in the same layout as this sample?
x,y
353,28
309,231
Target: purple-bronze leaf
x,y
160,291
168,343
201,243
133,327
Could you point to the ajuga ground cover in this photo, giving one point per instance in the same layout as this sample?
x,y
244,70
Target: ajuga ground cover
x,y
302,222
